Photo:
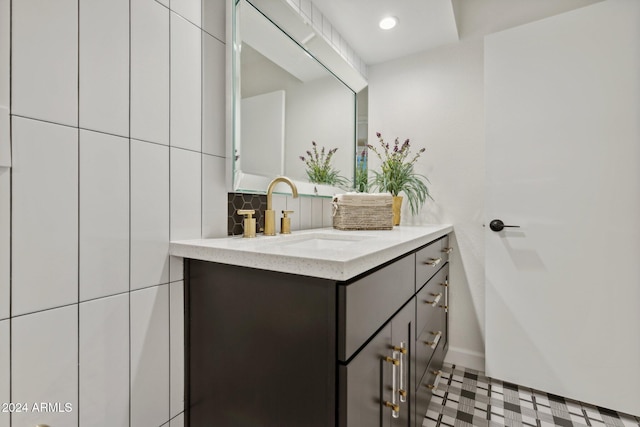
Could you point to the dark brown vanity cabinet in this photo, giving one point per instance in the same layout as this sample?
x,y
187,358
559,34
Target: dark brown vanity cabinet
x,y
265,348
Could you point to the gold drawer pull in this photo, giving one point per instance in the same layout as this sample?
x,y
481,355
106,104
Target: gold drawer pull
x,y
446,308
436,340
434,386
395,408
447,250
445,284
433,262
394,362
436,300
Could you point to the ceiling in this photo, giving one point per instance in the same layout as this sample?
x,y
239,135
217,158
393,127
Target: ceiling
x,y
425,24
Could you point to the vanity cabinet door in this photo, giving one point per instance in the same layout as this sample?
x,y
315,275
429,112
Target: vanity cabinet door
x,y
365,384
376,385
402,331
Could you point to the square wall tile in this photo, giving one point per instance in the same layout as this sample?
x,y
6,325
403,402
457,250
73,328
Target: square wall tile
x,y
176,356
189,9
104,66
213,96
214,197
214,18
186,97
104,362
44,216
149,214
150,356
5,241
5,346
104,215
44,366
186,194
149,71
44,56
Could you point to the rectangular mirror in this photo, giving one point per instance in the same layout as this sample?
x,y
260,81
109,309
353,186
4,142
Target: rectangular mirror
x,y
289,90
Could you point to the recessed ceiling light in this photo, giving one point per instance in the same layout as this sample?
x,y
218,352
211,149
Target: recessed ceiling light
x,y
388,22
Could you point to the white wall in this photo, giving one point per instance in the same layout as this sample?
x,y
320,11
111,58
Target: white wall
x,y
436,99
118,147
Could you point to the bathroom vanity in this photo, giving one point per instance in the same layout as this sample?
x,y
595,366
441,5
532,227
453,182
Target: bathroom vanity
x,y
318,328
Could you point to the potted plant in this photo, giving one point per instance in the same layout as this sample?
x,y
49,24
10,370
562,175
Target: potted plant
x,y
397,175
319,168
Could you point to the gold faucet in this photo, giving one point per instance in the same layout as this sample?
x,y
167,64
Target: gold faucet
x,y
270,214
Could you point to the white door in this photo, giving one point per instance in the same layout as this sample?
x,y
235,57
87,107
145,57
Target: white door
x,y
563,163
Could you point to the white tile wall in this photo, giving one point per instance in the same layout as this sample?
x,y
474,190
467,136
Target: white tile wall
x,y
149,71
104,66
5,60
316,212
5,242
5,390
176,356
213,95
185,194
104,215
177,421
214,18
214,211
149,214
186,202
186,84
44,54
104,362
304,213
150,356
44,365
189,9
44,216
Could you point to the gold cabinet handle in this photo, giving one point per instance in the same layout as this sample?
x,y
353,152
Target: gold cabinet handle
x,y
436,300
395,361
447,250
394,407
402,351
434,386
433,262
445,284
435,341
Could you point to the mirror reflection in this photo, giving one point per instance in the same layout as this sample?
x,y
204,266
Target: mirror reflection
x,y
284,101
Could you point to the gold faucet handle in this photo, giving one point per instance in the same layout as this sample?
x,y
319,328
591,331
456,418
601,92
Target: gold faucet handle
x,y
249,223
285,222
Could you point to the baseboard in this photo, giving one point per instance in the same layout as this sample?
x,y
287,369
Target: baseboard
x,y
466,358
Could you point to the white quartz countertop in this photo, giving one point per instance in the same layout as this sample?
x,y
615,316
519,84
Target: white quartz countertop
x,y
322,252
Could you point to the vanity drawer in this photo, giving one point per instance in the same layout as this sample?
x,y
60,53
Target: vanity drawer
x,y
366,304
429,340
431,300
429,384
429,260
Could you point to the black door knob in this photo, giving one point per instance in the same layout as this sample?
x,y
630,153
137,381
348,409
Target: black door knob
x,y
498,225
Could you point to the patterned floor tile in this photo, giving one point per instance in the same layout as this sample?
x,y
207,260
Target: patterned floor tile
x,y
469,398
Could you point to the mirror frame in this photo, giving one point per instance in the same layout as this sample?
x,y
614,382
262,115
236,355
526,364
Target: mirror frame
x,y
295,26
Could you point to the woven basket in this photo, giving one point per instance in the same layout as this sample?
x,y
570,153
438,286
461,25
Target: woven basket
x,y
363,212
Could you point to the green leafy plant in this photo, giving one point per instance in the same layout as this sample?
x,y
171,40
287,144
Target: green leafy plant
x,y
397,174
319,168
